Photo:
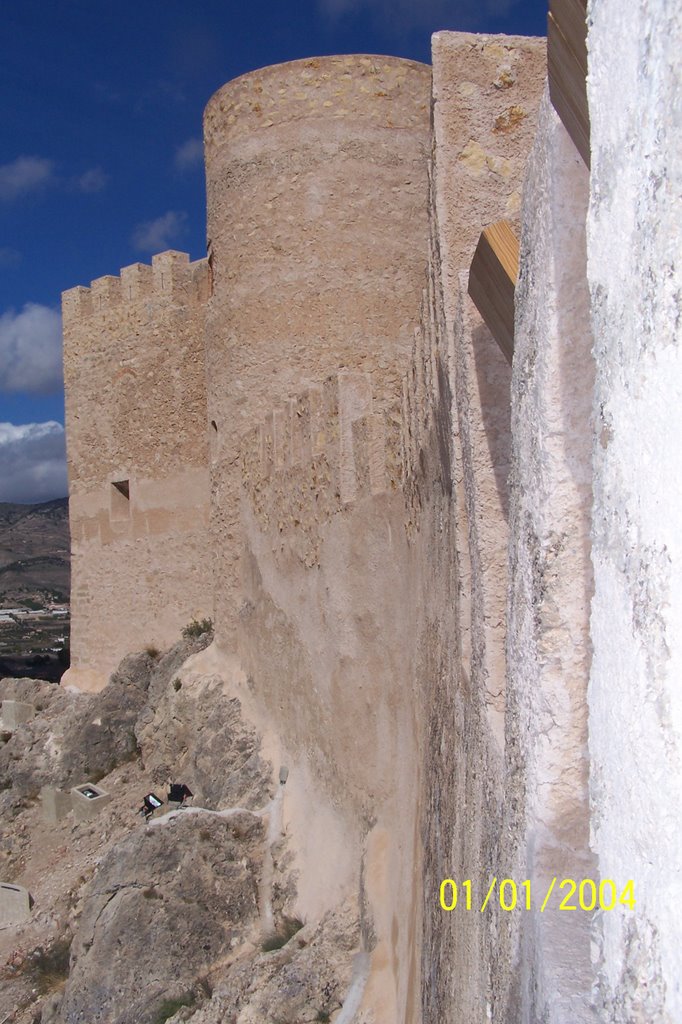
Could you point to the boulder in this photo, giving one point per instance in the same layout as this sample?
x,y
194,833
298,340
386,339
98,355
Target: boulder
x,y
166,904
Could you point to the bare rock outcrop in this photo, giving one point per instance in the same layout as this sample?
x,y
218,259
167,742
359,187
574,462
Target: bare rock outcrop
x,y
74,737
192,730
307,980
80,737
165,906
192,915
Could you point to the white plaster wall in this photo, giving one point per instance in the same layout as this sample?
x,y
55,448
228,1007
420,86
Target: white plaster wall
x,y
548,650
634,232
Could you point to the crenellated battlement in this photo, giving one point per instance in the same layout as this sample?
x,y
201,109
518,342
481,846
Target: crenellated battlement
x,y
171,278
145,325
318,454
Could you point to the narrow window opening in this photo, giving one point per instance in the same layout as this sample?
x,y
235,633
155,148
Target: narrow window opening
x,y
215,426
120,499
211,272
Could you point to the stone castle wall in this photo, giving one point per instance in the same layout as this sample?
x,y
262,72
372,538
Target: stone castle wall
x,y
318,231
315,456
355,614
445,589
457,442
136,418
325,639
340,493
550,576
317,227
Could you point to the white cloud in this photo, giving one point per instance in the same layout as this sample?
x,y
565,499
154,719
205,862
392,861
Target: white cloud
x,y
31,350
32,174
93,180
190,154
23,175
32,462
157,235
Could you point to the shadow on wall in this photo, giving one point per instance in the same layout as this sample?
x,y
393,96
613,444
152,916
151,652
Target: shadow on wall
x,y
493,377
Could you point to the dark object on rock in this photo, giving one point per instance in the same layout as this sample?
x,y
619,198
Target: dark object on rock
x,y
150,803
178,793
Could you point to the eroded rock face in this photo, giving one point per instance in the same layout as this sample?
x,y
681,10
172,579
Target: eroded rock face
x,y
165,906
194,914
195,733
75,738
27,759
307,980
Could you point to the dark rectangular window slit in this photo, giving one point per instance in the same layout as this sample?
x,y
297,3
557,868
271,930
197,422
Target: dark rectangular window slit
x,y
123,486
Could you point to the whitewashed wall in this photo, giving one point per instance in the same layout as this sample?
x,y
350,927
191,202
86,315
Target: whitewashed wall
x,y
550,583
635,696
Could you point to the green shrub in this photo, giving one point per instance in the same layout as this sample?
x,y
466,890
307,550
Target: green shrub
x,y
49,967
169,1007
197,627
152,651
289,927
133,752
177,684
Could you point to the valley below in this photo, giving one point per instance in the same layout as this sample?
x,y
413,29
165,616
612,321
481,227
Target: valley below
x,y
34,589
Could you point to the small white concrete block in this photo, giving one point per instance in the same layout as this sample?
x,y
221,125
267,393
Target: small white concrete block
x,y
15,713
56,804
88,800
15,904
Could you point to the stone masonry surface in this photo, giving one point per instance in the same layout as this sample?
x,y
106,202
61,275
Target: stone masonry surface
x,y
446,594
136,417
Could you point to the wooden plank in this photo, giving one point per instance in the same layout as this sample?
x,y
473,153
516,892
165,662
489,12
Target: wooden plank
x,y
567,90
571,18
567,70
492,281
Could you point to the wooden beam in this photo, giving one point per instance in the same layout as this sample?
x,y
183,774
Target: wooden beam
x,y
567,69
492,280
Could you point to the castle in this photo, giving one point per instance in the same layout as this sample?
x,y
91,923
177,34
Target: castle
x,y
444,587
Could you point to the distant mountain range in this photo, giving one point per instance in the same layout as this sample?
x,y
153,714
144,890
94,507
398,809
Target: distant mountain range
x,y
34,553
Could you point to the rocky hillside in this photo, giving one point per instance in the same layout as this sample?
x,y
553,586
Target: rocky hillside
x,y
34,552
193,914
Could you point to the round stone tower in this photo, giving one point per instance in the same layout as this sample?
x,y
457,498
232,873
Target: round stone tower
x,y
317,239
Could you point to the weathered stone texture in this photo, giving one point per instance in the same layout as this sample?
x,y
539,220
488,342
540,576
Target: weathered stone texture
x,y
550,581
136,412
14,713
400,529
485,95
634,231
325,638
316,455
316,177
457,451
165,905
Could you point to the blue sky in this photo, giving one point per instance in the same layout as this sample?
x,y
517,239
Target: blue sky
x,y
100,154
